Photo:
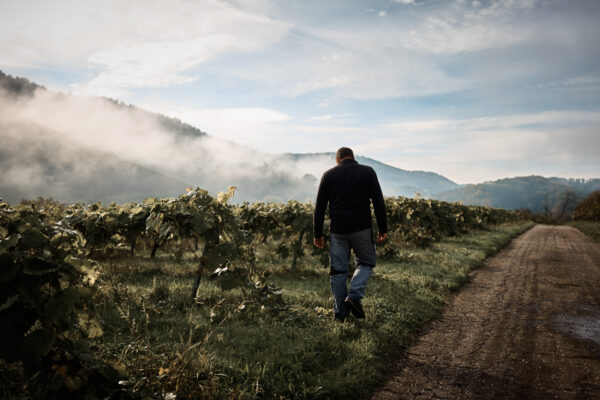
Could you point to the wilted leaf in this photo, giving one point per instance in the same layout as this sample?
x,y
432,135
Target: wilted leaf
x,y
119,367
73,383
223,197
166,231
154,221
90,326
88,268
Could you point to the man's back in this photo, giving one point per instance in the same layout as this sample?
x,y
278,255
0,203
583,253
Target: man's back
x,y
349,188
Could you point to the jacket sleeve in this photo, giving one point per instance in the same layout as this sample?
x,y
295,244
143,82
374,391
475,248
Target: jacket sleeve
x,y
378,204
320,207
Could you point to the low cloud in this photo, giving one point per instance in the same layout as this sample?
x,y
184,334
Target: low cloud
x,y
147,140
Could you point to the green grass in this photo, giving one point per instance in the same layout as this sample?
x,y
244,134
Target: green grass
x,y
291,348
592,229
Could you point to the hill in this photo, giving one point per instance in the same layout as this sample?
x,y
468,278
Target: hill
x,y
538,194
394,181
37,162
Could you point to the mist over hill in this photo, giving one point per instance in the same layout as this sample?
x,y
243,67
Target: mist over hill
x,y
123,143
38,162
77,148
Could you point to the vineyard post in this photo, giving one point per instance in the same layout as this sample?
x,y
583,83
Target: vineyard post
x,y
296,250
208,244
155,247
132,243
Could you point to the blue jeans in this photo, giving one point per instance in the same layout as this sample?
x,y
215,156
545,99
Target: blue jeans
x,y
339,254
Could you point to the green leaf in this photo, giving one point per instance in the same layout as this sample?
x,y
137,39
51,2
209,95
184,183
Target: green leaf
x,y
59,307
8,303
200,224
227,278
283,250
38,266
82,350
9,242
3,232
33,239
324,259
36,345
8,268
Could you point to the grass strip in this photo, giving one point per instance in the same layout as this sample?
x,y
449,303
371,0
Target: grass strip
x,y
224,347
592,229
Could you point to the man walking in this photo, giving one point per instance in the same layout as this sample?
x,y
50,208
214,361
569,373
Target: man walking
x,y
349,188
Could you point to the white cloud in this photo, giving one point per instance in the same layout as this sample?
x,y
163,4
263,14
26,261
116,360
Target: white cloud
x,y
255,127
369,65
322,117
329,117
588,82
130,44
382,13
549,143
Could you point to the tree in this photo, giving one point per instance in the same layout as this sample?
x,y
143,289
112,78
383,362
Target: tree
x,y
589,208
567,202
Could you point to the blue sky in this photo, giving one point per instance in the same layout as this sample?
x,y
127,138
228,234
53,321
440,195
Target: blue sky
x,y
473,90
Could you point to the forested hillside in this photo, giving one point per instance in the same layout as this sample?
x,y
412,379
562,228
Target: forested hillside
x,y
39,162
550,196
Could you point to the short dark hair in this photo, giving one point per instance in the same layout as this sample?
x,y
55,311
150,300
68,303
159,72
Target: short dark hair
x,y
344,152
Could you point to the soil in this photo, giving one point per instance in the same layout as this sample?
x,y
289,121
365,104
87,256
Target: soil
x,y
526,326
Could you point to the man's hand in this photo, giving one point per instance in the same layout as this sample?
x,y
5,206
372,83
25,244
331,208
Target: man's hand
x,y
381,237
319,242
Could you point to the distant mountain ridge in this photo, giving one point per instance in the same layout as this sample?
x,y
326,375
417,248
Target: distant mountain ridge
x,y
396,181
537,193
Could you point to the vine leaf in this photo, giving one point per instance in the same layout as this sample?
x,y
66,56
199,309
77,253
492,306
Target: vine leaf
x,y
38,266
36,345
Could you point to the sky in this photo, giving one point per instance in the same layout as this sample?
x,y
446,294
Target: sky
x,y
472,90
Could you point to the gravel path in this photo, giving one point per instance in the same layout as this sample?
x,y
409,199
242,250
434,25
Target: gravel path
x,y
526,326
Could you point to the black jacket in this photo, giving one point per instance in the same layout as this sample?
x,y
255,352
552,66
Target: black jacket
x,y
348,188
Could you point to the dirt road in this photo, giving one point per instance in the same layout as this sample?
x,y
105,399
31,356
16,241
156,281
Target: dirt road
x,y
527,326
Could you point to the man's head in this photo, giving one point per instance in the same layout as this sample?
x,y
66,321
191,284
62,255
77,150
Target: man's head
x,y
344,153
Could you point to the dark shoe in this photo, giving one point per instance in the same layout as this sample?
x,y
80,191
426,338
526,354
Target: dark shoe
x,y
355,307
339,318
